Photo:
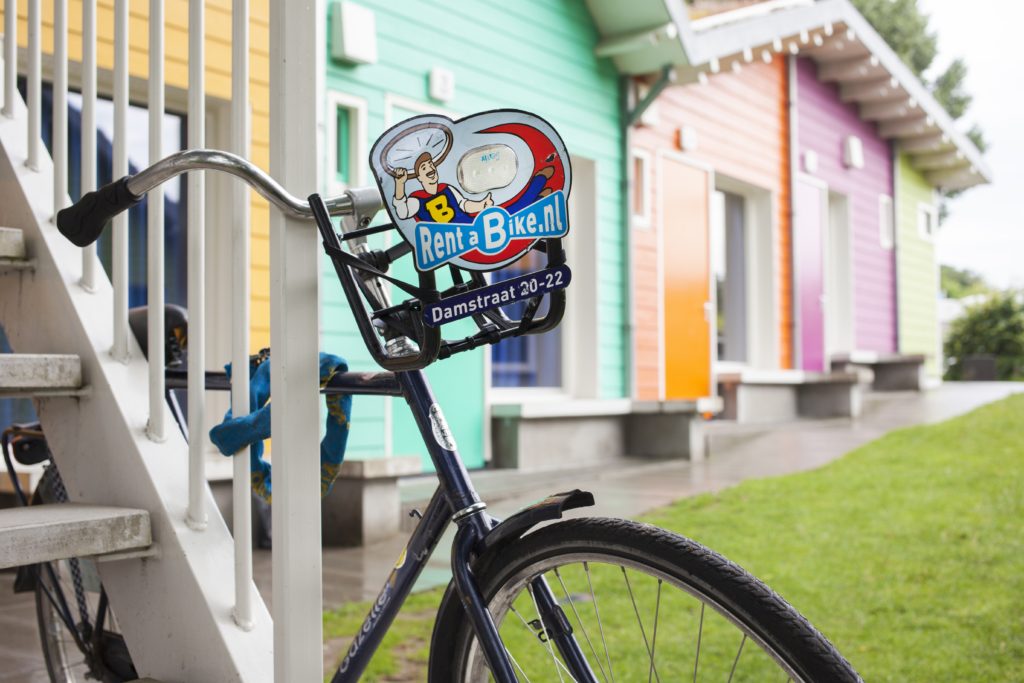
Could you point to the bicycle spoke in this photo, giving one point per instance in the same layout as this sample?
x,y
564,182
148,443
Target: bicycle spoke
x,y
654,636
572,605
737,660
600,626
533,634
700,632
516,665
639,621
547,641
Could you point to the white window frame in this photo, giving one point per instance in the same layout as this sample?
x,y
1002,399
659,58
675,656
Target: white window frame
x,y
580,329
356,107
392,100
641,182
932,214
886,222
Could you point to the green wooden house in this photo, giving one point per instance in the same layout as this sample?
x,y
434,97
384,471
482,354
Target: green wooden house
x,y
389,61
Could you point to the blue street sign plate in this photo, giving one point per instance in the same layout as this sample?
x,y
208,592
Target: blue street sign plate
x,y
504,293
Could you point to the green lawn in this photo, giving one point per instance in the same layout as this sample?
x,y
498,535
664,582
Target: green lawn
x,y
908,553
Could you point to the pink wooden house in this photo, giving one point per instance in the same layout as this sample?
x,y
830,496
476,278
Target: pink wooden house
x,y
843,237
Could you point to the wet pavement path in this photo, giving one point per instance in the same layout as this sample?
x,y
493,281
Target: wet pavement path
x,y
628,489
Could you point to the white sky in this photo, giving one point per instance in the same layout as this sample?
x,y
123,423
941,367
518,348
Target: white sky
x,y
985,229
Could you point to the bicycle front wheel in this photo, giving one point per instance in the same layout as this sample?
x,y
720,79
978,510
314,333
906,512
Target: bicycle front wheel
x,y
643,604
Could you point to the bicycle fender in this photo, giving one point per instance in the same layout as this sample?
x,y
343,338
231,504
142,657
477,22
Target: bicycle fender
x,y
545,510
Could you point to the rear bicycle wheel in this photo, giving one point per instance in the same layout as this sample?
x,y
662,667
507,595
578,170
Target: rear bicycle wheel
x,y
80,636
643,603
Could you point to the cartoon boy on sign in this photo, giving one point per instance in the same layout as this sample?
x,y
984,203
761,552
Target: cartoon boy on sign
x,y
436,202
498,167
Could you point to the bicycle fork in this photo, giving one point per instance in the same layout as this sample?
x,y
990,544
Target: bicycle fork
x,y
554,627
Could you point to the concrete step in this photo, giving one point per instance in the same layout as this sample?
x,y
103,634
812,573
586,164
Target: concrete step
x,y
24,375
42,533
12,249
12,243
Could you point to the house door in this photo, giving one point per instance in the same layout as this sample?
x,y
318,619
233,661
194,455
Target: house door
x,y
688,337
838,279
811,218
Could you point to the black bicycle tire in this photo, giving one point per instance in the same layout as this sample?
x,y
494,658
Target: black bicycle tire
x,y
763,611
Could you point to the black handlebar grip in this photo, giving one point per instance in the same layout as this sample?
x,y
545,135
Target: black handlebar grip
x,y
83,222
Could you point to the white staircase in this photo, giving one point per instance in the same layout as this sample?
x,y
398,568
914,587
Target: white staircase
x,y
128,492
189,612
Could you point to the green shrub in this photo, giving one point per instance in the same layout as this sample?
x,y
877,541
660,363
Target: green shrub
x,y
994,327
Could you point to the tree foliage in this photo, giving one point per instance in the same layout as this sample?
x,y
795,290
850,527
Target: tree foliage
x,y
992,328
902,24
905,28
957,283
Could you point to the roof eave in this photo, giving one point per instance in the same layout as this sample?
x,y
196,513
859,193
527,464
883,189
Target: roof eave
x,y
793,30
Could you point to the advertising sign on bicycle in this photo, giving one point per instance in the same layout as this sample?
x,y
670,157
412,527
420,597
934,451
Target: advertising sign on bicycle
x,y
478,192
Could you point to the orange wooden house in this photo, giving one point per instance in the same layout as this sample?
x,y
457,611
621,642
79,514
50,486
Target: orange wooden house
x,y
707,174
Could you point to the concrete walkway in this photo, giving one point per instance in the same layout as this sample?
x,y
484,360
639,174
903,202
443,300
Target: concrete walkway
x,y
628,490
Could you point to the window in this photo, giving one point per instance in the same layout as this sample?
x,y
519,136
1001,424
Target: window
x,y
346,141
640,196
343,146
175,190
886,222
563,361
533,360
927,220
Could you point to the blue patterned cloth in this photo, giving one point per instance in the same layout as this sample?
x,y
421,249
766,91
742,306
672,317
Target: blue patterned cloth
x,y
234,434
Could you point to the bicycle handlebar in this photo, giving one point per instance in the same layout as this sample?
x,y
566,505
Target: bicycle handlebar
x,y
83,222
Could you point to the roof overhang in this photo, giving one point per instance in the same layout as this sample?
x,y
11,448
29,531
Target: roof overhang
x,y
641,36
849,52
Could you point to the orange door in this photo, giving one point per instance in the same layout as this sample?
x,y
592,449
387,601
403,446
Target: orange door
x,y
686,272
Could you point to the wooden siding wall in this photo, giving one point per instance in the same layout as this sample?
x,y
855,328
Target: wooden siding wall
x,y
531,55
645,263
218,85
742,126
824,122
918,280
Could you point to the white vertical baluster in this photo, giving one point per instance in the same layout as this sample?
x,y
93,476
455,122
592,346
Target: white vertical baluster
x,y
119,255
296,72
241,496
196,516
155,227
60,105
89,128
35,105
10,55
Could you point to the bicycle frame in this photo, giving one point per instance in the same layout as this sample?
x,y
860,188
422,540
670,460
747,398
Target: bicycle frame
x,y
455,499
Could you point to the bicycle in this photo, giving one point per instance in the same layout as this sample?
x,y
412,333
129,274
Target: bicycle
x,y
533,597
